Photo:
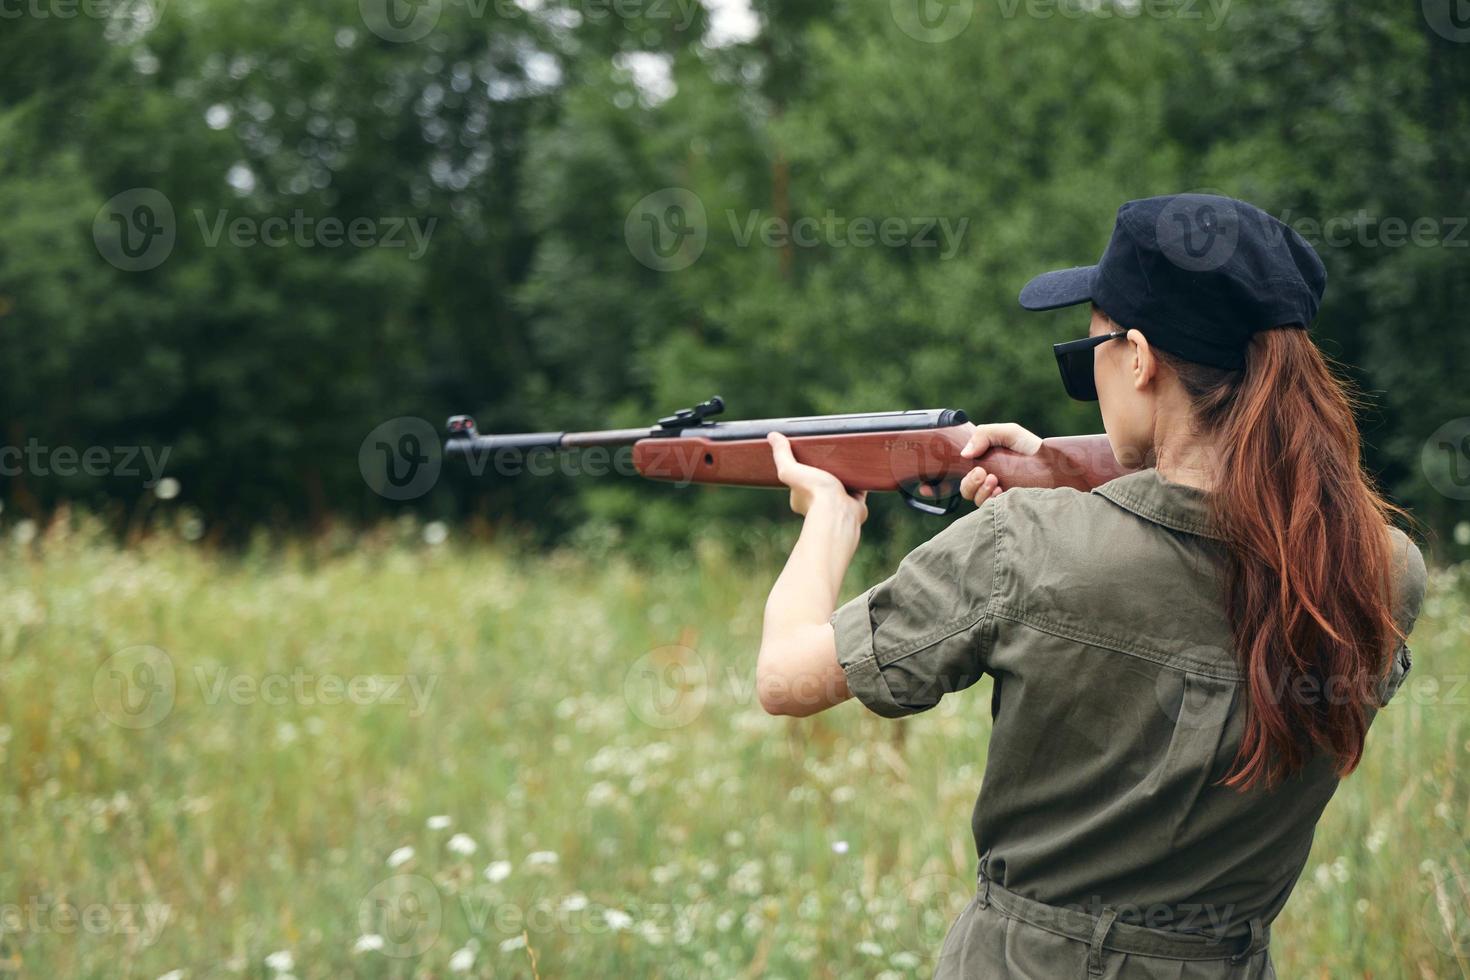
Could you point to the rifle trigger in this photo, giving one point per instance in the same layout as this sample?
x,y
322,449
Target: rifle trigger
x,y
923,506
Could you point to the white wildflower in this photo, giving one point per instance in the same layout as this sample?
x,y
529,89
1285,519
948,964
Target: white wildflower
x,y
601,793
400,857
173,975
537,859
281,961
869,948
462,844
575,902
616,919
438,822
461,960
513,943
368,943
497,871
839,847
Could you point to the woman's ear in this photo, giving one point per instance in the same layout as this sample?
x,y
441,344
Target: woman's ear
x,y
1143,363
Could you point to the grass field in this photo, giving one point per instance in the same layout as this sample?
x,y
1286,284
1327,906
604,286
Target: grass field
x,y
402,760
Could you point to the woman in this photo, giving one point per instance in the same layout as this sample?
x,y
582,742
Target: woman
x,y
1186,660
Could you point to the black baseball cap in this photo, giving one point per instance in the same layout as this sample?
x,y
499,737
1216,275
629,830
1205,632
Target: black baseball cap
x,y
1197,274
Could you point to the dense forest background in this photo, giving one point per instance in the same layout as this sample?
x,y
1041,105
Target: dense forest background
x,y
250,233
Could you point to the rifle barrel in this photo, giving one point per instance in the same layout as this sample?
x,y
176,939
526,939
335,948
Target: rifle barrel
x,y
464,440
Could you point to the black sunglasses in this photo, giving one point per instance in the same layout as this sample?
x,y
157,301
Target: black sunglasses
x,y
1075,359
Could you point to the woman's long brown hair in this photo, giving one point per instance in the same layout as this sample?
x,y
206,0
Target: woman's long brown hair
x,y
1309,585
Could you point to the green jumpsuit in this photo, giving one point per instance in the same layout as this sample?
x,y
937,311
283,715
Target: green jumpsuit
x,y
1106,847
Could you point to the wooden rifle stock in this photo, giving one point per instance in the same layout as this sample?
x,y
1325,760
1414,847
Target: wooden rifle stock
x,y
879,460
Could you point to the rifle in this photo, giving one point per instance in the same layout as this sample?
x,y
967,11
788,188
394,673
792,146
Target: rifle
x,y
916,453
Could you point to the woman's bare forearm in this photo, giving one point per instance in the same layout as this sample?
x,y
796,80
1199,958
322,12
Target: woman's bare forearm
x,y
797,672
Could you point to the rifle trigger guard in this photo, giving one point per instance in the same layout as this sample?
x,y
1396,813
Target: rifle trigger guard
x,y
923,506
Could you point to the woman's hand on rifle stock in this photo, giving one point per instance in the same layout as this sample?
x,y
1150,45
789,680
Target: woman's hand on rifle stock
x,y
979,484
813,487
